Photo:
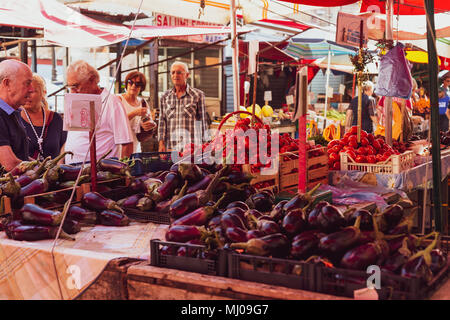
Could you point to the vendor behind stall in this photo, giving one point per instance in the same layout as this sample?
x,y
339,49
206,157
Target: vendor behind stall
x,y
15,89
113,131
444,109
368,114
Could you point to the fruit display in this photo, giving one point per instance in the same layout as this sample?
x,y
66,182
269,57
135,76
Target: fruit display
x,y
369,150
304,230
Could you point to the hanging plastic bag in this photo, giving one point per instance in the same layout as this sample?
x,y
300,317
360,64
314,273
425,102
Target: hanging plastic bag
x,y
394,77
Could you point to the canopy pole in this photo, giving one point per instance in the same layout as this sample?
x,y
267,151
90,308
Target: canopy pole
x,y
388,100
235,57
326,88
436,152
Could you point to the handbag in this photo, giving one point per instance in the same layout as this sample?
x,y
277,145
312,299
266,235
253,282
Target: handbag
x,y
144,135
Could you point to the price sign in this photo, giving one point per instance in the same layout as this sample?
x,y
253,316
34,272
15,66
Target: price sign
x,y
77,111
330,92
290,99
341,89
267,95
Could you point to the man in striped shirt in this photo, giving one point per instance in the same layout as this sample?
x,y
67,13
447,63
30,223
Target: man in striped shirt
x,y
182,117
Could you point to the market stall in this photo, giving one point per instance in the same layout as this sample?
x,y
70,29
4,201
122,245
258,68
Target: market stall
x,y
226,219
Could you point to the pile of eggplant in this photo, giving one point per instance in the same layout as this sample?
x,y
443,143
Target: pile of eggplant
x,y
35,177
34,223
303,229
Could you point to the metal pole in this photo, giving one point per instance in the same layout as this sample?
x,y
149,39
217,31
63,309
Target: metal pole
x,y
235,57
119,72
33,56
23,46
388,100
436,152
326,88
53,64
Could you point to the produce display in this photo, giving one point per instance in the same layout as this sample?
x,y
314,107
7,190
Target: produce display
x,y
300,229
370,149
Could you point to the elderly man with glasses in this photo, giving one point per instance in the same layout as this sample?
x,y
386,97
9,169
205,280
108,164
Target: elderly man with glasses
x,y
182,117
113,129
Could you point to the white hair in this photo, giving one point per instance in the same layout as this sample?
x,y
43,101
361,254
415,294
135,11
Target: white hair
x,y
10,67
368,85
180,63
83,71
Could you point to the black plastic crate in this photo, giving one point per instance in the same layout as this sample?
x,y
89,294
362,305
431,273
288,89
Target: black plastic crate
x,y
150,162
148,216
343,282
280,272
217,267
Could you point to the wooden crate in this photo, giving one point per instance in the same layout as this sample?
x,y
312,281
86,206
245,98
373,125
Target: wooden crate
x,y
273,178
289,170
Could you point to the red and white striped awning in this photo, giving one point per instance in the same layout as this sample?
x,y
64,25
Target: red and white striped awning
x,y
67,27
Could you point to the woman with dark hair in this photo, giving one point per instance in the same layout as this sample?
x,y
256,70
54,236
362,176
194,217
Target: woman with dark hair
x,y
44,127
136,107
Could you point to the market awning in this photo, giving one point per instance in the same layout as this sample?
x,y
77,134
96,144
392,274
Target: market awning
x,y
408,7
312,49
67,27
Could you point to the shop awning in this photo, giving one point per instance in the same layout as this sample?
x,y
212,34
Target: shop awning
x,y
321,3
405,7
312,49
67,27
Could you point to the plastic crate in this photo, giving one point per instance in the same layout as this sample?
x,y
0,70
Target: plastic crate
x,y
150,162
216,267
396,164
148,216
280,272
343,282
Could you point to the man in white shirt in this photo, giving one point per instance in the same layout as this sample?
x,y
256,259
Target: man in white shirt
x,y
113,131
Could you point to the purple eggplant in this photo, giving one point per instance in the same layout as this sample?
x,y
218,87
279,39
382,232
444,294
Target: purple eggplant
x,y
214,222
194,200
95,201
277,212
330,219
316,232
33,174
238,177
417,268
314,213
359,258
198,217
252,234
397,259
35,232
238,211
391,216
34,214
238,204
303,200
182,233
201,185
276,245
81,214
268,227
236,234
253,212
167,188
190,172
114,166
260,201
164,206
71,226
112,218
342,240
23,167
304,246
294,222
36,186
229,220
366,219
130,201
404,226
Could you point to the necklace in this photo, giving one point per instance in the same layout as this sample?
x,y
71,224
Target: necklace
x,y
40,139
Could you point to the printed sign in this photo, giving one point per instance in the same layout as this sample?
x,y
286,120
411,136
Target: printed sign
x,y
267,95
77,111
290,99
342,89
349,29
330,92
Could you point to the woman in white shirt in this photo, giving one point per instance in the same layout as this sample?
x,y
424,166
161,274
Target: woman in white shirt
x,y
136,107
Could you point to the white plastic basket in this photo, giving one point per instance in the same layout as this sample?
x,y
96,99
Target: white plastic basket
x,y
395,164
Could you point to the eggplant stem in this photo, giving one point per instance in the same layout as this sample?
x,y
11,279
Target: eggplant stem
x,y
310,192
426,252
357,222
239,245
220,201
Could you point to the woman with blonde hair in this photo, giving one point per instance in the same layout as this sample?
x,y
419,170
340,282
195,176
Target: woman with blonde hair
x,y
43,126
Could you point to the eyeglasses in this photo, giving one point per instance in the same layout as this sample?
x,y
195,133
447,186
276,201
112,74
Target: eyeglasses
x,y
177,72
137,84
75,86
